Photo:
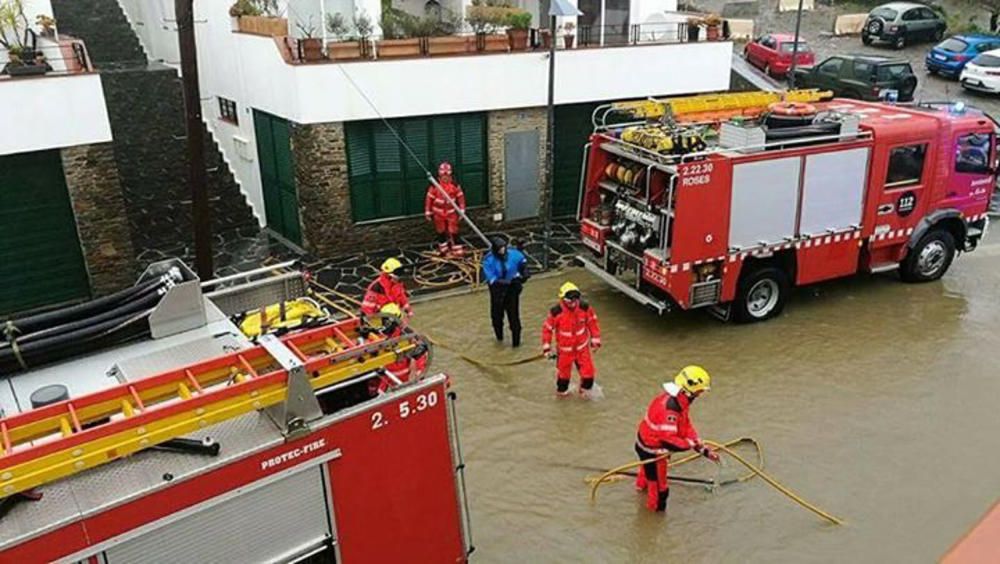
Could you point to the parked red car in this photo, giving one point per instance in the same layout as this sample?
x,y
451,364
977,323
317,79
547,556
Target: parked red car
x,y
772,53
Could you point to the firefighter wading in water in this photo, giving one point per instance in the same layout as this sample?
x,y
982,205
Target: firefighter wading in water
x,y
574,325
439,210
667,428
386,289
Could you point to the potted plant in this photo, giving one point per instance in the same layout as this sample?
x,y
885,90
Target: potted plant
x,y
259,17
693,29
310,46
712,22
47,23
442,40
568,36
342,47
485,19
399,32
22,60
518,23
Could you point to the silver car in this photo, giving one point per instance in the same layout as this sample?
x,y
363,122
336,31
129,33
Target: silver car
x,y
900,23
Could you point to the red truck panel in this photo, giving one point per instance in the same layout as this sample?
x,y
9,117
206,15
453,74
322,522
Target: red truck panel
x,y
394,488
701,225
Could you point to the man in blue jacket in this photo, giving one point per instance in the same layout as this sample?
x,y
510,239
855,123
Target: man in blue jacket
x,y
505,270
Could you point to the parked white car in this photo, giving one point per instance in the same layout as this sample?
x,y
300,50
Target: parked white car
x,y
983,72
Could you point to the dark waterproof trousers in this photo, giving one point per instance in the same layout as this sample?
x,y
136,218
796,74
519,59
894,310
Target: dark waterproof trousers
x,y
506,299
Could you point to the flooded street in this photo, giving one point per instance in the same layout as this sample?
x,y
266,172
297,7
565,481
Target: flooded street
x,y
875,400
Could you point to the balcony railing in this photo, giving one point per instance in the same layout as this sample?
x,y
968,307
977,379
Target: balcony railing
x,y
63,55
637,34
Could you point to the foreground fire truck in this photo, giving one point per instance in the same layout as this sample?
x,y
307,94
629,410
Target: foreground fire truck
x,y
730,216
194,442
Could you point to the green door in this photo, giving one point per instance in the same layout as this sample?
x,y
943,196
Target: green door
x,y
40,258
277,176
572,130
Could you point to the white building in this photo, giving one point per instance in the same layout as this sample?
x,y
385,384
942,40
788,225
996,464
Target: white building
x,y
305,141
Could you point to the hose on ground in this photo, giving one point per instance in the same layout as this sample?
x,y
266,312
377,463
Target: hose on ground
x,y
438,272
776,485
726,449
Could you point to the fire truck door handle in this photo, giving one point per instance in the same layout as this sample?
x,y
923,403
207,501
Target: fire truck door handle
x,y
885,208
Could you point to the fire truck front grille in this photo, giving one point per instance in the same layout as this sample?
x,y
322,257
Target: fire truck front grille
x,y
705,293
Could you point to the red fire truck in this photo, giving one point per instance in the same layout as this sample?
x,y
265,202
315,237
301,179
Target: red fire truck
x,y
199,444
730,216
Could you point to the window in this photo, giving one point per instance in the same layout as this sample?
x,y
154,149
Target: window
x,y
927,14
888,14
906,166
984,47
954,45
987,60
863,70
385,181
769,42
888,73
789,46
972,153
227,111
831,67
912,15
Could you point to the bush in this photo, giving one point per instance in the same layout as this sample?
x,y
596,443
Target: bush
x,y
518,19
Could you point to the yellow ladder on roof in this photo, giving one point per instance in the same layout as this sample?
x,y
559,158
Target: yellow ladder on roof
x,y
705,103
62,439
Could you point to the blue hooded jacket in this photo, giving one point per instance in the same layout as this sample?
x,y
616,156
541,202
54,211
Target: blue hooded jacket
x,y
506,270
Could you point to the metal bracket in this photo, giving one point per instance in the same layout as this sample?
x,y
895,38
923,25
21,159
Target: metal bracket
x,y
300,406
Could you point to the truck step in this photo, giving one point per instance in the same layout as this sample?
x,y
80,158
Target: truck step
x,y
885,267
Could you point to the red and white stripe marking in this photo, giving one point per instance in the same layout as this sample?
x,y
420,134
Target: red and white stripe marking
x,y
889,235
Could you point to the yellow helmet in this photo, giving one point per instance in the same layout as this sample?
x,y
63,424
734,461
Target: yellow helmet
x,y
567,288
391,310
390,265
693,379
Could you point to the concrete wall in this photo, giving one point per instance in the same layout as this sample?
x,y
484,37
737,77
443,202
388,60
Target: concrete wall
x,y
53,112
101,221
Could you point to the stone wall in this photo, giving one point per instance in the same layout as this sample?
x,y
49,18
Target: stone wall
x,y
328,227
99,208
103,27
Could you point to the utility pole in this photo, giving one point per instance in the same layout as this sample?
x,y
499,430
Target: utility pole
x,y
200,215
550,127
795,47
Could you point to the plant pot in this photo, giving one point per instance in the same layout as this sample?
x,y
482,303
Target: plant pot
x,y
568,41
264,25
344,50
546,39
449,45
311,49
694,32
492,43
25,70
399,48
518,39
712,33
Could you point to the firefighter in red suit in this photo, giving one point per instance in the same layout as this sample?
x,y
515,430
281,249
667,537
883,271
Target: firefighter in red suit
x,y
439,210
407,367
667,428
573,323
386,289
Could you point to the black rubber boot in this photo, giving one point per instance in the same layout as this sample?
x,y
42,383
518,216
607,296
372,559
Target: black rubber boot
x,y
515,339
498,332
661,502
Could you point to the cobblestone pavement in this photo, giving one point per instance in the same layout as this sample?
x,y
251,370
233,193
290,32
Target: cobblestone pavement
x,y
424,273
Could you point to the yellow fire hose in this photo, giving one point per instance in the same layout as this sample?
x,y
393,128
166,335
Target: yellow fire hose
x,y
725,448
456,270
620,472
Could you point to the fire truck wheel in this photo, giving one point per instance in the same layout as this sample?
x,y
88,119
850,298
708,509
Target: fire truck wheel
x,y
930,258
761,295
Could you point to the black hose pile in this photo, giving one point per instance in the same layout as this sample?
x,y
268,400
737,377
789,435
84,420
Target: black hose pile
x,y
34,340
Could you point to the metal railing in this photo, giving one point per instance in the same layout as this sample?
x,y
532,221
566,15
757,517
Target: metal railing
x,y
634,34
59,63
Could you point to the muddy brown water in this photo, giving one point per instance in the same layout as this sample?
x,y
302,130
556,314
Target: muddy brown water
x,y
874,399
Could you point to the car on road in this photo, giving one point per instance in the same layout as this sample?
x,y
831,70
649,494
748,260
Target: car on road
x,y
949,57
772,53
900,23
863,77
982,73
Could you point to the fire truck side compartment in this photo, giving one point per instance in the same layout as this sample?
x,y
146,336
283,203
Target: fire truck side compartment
x,y
764,202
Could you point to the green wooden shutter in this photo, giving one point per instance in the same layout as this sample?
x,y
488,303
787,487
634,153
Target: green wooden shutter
x,y
388,173
417,135
268,168
472,146
361,170
41,262
277,175
573,127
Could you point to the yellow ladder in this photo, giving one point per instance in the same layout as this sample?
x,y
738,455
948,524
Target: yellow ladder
x,y
55,441
706,103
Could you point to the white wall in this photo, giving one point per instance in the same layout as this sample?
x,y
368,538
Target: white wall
x,y
249,70
53,112
153,22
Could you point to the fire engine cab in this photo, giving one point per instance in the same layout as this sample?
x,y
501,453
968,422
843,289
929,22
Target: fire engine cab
x,y
185,439
730,215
